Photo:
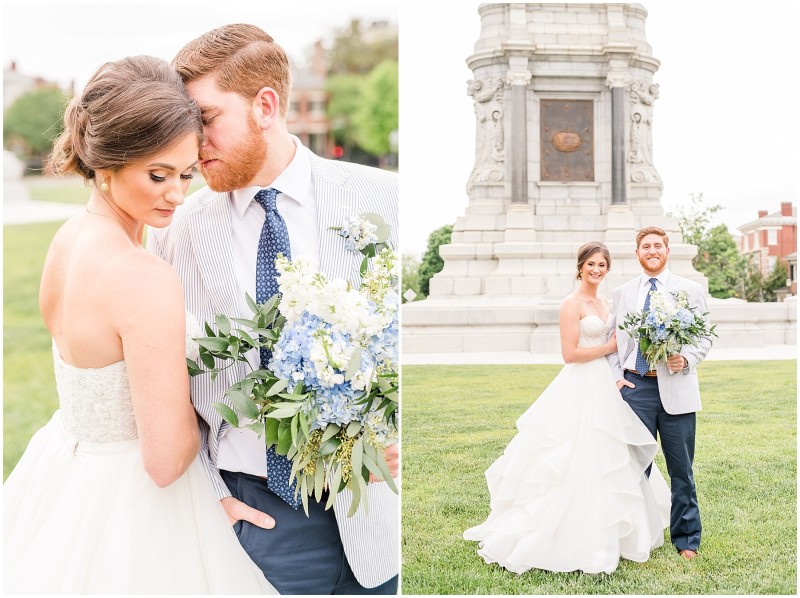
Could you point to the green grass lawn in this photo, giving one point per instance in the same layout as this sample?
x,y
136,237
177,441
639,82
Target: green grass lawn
x,y
29,394
73,190
458,419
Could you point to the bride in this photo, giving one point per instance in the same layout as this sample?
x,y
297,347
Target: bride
x,y
110,496
571,490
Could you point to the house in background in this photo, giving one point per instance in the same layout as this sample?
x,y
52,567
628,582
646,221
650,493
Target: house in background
x,y
772,237
308,105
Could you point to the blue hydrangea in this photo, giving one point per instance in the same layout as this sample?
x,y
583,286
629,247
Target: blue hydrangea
x,y
685,317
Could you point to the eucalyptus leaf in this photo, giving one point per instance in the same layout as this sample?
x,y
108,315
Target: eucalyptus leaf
x,y
387,477
213,343
271,431
257,427
250,303
319,479
281,413
330,431
284,440
242,403
207,359
353,428
250,323
227,414
223,323
356,457
277,387
334,487
194,369
329,446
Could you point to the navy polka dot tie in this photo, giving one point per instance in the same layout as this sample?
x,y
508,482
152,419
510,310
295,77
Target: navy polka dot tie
x,y
641,363
274,240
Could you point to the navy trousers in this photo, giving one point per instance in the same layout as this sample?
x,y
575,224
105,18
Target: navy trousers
x,y
300,555
676,433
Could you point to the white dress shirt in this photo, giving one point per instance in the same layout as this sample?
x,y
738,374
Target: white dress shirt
x,y
241,449
644,288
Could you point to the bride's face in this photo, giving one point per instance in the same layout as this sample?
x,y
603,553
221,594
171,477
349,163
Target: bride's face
x,y
594,268
149,190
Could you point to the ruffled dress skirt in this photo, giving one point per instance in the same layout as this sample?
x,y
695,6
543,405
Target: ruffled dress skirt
x,y
86,519
569,493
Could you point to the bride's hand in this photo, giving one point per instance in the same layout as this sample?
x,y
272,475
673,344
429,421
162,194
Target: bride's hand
x,y
238,511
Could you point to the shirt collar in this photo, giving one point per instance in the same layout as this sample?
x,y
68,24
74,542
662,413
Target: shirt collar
x,y
661,278
294,182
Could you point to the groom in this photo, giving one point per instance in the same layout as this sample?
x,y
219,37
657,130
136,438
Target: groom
x,y
666,398
240,78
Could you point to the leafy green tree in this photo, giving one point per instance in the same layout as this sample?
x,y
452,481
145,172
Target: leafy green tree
x,y
719,259
432,262
410,276
377,115
355,53
729,273
34,121
346,93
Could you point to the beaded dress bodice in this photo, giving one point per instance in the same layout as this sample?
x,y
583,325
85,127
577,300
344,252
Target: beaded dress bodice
x,y
592,331
95,403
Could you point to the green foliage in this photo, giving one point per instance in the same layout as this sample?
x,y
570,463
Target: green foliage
x,y
458,419
719,259
376,117
34,121
353,53
346,93
29,392
729,273
410,276
432,262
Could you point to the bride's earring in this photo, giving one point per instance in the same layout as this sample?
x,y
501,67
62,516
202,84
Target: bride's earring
x,y
104,187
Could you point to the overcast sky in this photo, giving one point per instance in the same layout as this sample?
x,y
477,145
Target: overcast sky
x,y
66,41
725,123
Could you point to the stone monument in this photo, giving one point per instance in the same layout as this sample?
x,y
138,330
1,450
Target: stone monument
x,y
564,104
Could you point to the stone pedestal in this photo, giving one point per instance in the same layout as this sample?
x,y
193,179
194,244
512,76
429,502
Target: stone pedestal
x,y
547,78
564,104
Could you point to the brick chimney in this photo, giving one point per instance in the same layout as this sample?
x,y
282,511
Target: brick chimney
x,y
762,213
786,208
319,60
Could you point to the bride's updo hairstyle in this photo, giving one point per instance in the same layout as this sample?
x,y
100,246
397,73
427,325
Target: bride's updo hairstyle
x,y
588,250
129,110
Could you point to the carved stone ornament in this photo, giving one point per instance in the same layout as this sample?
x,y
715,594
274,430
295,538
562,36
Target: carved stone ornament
x,y
487,92
640,151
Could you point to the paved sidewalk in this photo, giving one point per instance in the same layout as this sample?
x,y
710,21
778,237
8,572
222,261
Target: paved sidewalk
x,y
767,353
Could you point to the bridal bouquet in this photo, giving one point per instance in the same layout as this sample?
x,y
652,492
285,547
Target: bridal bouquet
x,y
667,326
328,398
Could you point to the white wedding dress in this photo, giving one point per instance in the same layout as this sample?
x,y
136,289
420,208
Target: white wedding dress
x,y
81,515
569,492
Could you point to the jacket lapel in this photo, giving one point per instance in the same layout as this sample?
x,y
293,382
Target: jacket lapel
x,y
210,240
335,201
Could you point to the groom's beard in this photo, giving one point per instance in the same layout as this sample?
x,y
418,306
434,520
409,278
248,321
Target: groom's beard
x,y
651,268
238,169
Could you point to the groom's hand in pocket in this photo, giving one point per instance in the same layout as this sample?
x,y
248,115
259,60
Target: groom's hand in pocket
x,y
392,456
623,382
238,511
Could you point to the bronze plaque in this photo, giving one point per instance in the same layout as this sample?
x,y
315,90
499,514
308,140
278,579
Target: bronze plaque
x,y
567,140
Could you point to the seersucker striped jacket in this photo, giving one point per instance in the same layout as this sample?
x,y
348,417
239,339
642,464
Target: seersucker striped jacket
x,y
197,244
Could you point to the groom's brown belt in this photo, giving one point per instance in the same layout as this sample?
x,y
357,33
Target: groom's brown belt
x,y
650,374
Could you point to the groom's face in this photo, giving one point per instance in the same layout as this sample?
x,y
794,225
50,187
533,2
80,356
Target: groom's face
x,y
652,253
233,150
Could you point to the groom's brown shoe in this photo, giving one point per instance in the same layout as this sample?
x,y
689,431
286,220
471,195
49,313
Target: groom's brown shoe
x,y
688,554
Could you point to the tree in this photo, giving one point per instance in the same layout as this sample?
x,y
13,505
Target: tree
x,y
410,276
346,93
432,262
729,273
719,259
34,121
377,115
355,53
